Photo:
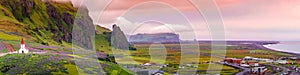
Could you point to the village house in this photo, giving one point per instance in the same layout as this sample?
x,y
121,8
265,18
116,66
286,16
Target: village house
x,y
259,70
147,64
246,61
150,72
233,60
281,62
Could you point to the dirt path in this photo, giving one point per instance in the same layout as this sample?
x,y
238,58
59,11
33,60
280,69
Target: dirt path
x,y
3,54
9,47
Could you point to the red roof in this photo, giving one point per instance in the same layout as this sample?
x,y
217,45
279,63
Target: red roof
x,y
22,41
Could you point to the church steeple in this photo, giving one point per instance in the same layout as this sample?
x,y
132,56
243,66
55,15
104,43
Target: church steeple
x,y
22,41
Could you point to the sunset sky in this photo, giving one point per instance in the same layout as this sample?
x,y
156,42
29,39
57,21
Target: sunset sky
x,y
243,19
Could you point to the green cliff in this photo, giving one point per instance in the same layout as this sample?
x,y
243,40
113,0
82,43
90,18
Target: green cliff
x,y
48,23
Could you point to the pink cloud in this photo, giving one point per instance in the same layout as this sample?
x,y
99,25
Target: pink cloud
x,y
243,19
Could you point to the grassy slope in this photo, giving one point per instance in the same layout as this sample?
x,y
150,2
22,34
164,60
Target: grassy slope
x,y
35,25
34,28
115,69
9,26
101,30
102,44
102,40
43,64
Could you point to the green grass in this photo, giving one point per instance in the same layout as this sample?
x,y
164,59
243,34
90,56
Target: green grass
x,y
65,44
101,30
255,53
71,69
17,42
115,69
141,55
35,23
29,64
214,66
4,36
4,51
102,44
5,13
229,72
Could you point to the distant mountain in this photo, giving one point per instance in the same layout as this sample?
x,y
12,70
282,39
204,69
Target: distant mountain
x,y
36,20
155,38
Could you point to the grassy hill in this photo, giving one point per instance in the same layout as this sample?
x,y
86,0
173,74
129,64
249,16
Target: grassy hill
x,y
102,39
48,23
47,64
46,26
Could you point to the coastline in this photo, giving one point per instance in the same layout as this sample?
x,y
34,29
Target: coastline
x,y
265,47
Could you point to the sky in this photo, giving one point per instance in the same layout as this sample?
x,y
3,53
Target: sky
x,y
243,19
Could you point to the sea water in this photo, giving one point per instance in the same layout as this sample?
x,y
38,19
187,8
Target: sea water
x,y
293,47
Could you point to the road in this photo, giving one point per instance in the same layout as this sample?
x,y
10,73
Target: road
x,y
245,70
3,54
9,47
284,69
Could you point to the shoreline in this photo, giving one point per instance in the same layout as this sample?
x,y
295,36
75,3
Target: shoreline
x,y
266,48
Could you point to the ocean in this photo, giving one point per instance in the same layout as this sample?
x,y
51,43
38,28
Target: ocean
x,y
293,47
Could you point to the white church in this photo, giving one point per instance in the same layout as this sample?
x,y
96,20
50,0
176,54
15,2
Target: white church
x,y
23,48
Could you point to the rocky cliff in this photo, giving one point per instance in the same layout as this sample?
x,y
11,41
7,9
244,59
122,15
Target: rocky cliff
x,y
118,38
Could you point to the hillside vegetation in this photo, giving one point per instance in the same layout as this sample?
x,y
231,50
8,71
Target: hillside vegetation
x,y
48,26
48,23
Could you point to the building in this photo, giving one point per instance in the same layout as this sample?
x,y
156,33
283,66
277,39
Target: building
x,y
265,60
147,64
233,60
228,60
158,73
259,70
237,61
247,58
245,62
23,48
281,62
244,65
150,72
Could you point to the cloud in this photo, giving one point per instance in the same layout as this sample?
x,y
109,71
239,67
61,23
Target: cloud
x,y
268,20
243,19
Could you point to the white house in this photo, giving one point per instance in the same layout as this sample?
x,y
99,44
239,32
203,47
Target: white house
x,y
259,70
147,64
244,65
150,72
281,62
247,58
23,48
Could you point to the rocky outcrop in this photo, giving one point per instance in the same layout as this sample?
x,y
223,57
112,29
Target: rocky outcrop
x,y
52,12
118,39
64,23
27,5
83,30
